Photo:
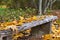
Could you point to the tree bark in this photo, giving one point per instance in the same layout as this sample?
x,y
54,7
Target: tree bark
x,y
40,7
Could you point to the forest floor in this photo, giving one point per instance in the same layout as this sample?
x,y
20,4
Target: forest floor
x,y
56,13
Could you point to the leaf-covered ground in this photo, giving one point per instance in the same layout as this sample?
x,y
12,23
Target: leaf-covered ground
x,y
56,35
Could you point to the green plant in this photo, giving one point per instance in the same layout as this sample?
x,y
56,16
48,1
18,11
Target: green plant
x,y
11,14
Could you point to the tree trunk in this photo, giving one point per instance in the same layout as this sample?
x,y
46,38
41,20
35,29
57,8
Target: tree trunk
x,y
40,7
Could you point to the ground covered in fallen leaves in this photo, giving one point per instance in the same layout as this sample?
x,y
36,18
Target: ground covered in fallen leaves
x,y
55,35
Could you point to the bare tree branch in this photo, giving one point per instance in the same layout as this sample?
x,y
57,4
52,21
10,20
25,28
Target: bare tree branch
x,y
47,6
50,1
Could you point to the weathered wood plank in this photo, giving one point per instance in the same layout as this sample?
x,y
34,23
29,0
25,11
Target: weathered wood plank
x,y
36,23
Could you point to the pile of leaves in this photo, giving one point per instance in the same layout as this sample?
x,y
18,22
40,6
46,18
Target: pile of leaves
x,y
55,32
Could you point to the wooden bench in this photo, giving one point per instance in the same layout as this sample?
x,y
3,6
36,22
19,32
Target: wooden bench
x,y
39,27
